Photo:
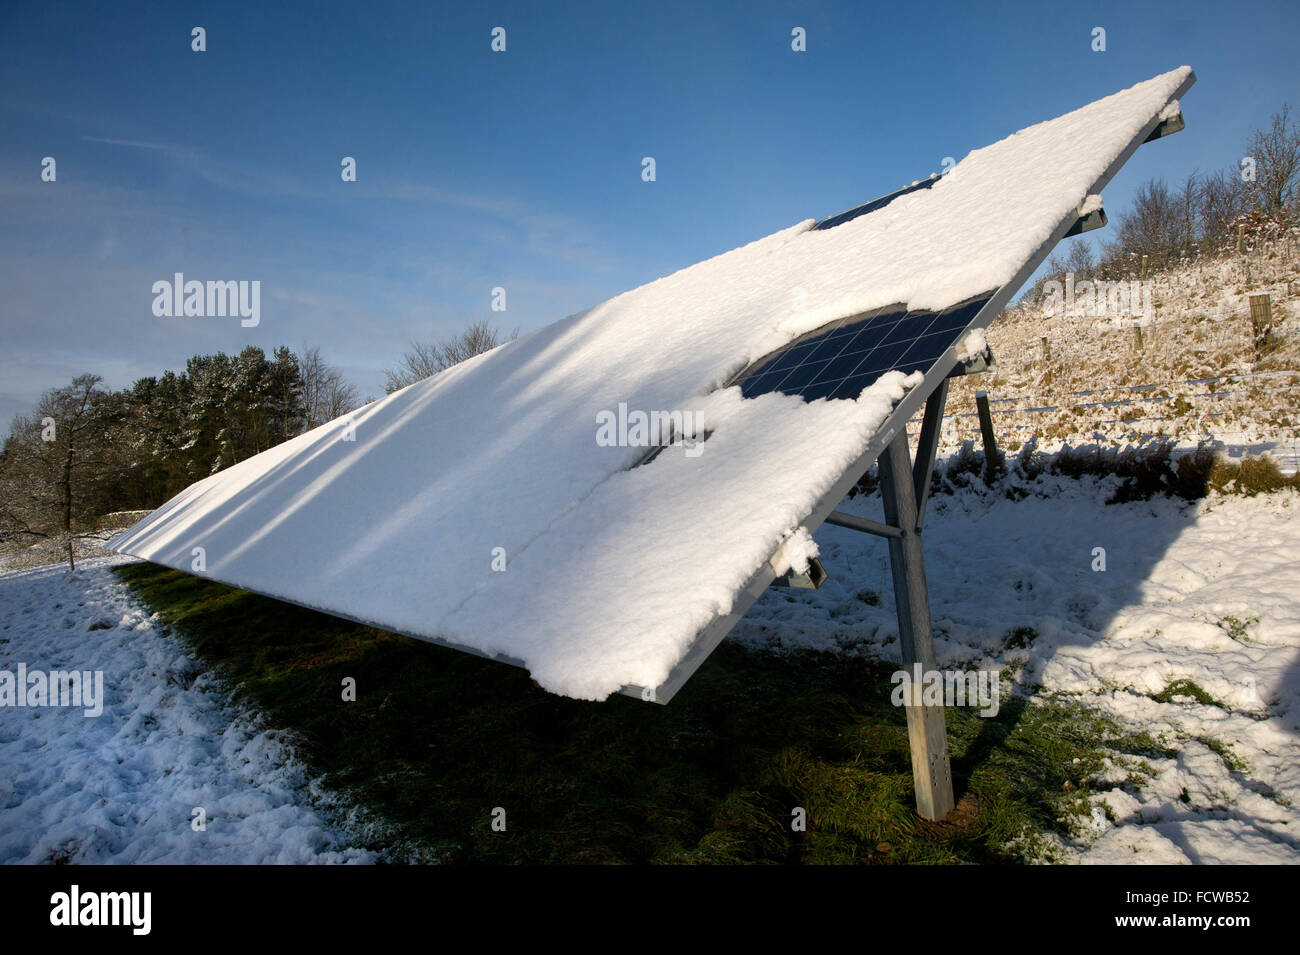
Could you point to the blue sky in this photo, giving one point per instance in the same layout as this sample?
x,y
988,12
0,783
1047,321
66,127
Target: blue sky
x,y
522,170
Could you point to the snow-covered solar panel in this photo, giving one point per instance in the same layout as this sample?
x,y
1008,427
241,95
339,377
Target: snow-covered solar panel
x,y
508,505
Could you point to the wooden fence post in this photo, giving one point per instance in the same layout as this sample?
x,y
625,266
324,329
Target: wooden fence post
x,y
1261,322
992,457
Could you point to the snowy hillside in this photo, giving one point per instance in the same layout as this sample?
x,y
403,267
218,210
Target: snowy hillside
x,y
1194,374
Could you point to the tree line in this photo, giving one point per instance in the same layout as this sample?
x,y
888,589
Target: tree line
x,y
86,450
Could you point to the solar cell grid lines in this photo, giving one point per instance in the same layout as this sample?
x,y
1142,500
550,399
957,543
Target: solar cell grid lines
x,y
846,358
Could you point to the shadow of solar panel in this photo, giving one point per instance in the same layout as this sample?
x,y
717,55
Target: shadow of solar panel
x,y
843,360
867,207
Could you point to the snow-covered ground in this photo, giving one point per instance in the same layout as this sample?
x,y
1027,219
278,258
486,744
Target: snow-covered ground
x,y
1205,593
1238,444
1208,593
123,786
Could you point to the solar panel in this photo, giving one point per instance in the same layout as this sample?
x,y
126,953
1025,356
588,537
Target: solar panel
x,y
847,357
496,508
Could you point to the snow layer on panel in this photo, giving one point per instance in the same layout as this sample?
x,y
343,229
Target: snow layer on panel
x,y
393,515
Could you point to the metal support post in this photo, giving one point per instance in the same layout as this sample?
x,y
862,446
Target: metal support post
x,y
926,728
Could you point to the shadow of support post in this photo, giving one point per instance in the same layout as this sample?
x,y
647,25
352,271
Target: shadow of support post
x,y
926,727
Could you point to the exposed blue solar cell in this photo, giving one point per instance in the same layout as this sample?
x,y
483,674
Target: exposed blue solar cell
x,y
799,376
883,358
958,317
842,360
792,357
761,384
841,366
882,322
910,366
842,333
827,348
853,386
928,347
818,389
875,204
867,339
909,329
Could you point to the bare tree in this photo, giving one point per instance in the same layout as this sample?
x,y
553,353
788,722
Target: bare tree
x,y
1053,270
1080,260
1153,227
24,515
1189,203
327,394
424,359
1224,200
339,397
56,463
1276,152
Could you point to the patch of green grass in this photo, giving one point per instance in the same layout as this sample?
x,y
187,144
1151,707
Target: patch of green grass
x,y
1225,752
1236,628
1259,475
437,739
1187,688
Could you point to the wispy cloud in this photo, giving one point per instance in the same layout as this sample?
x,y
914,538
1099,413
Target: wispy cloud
x,y
129,142
236,177
543,233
